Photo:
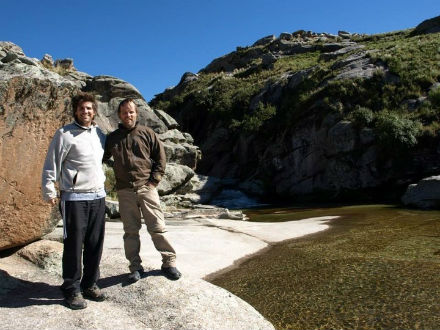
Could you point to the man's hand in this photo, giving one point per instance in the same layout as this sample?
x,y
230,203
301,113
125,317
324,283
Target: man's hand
x,y
52,201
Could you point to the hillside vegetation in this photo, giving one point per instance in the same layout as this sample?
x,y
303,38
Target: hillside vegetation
x,y
384,86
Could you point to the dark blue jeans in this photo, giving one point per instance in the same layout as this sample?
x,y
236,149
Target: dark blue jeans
x,y
84,223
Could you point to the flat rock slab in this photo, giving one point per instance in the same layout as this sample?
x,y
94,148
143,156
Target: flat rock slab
x,y
205,246
30,296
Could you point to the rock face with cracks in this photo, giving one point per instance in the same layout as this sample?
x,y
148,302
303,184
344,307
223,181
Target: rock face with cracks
x,y
33,104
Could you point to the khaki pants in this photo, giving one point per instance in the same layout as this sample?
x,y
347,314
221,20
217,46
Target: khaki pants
x,y
131,203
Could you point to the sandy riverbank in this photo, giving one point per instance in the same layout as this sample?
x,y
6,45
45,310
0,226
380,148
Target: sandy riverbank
x,y
205,246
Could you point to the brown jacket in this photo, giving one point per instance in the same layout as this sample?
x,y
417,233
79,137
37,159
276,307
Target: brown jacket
x,y
138,155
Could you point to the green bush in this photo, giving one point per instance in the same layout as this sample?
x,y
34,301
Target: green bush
x,y
361,116
434,97
110,182
396,133
253,122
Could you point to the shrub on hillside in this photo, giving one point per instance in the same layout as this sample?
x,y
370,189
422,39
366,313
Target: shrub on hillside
x,y
434,97
252,122
361,116
110,182
396,133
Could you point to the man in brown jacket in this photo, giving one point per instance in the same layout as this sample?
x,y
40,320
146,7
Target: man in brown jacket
x,y
139,163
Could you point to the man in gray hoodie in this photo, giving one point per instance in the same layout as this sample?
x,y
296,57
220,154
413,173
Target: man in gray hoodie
x,y
74,161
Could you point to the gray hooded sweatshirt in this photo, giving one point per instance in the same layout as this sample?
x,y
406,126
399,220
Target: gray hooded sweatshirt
x,y
74,160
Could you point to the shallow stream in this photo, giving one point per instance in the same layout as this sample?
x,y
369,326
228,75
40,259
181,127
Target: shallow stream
x,y
377,267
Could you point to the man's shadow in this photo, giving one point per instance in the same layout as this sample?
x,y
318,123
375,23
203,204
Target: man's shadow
x,y
18,293
123,280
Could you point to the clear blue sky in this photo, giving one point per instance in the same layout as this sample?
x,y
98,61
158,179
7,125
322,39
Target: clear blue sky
x,y
152,43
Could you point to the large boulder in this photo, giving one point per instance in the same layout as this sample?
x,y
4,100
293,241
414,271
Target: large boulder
x,y
34,103
175,177
424,194
9,47
179,148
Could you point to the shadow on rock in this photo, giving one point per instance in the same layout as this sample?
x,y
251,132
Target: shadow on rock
x,y
123,279
17,293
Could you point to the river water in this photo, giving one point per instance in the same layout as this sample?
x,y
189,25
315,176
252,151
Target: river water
x,y
377,267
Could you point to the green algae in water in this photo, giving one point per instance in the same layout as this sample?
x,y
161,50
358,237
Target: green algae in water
x,y
377,267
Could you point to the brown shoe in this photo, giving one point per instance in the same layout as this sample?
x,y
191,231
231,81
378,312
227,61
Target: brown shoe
x,y
171,273
94,293
75,301
134,276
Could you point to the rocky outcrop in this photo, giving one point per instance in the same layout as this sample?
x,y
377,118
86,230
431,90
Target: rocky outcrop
x,y
278,117
321,158
428,26
317,155
34,102
424,194
179,148
175,177
287,44
202,192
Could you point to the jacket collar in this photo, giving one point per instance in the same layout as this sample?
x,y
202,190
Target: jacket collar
x,y
84,127
122,127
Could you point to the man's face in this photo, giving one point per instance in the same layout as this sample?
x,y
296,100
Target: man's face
x,y
128,115
84,113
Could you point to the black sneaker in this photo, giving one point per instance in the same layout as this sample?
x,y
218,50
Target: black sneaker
x,y
171,273
94,293
75,301
134,276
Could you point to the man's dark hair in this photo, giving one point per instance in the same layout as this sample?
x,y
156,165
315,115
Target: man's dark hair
x,y
83,97
124,102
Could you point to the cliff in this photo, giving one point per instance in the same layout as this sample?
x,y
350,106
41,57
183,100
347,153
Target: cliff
x,y
316,116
